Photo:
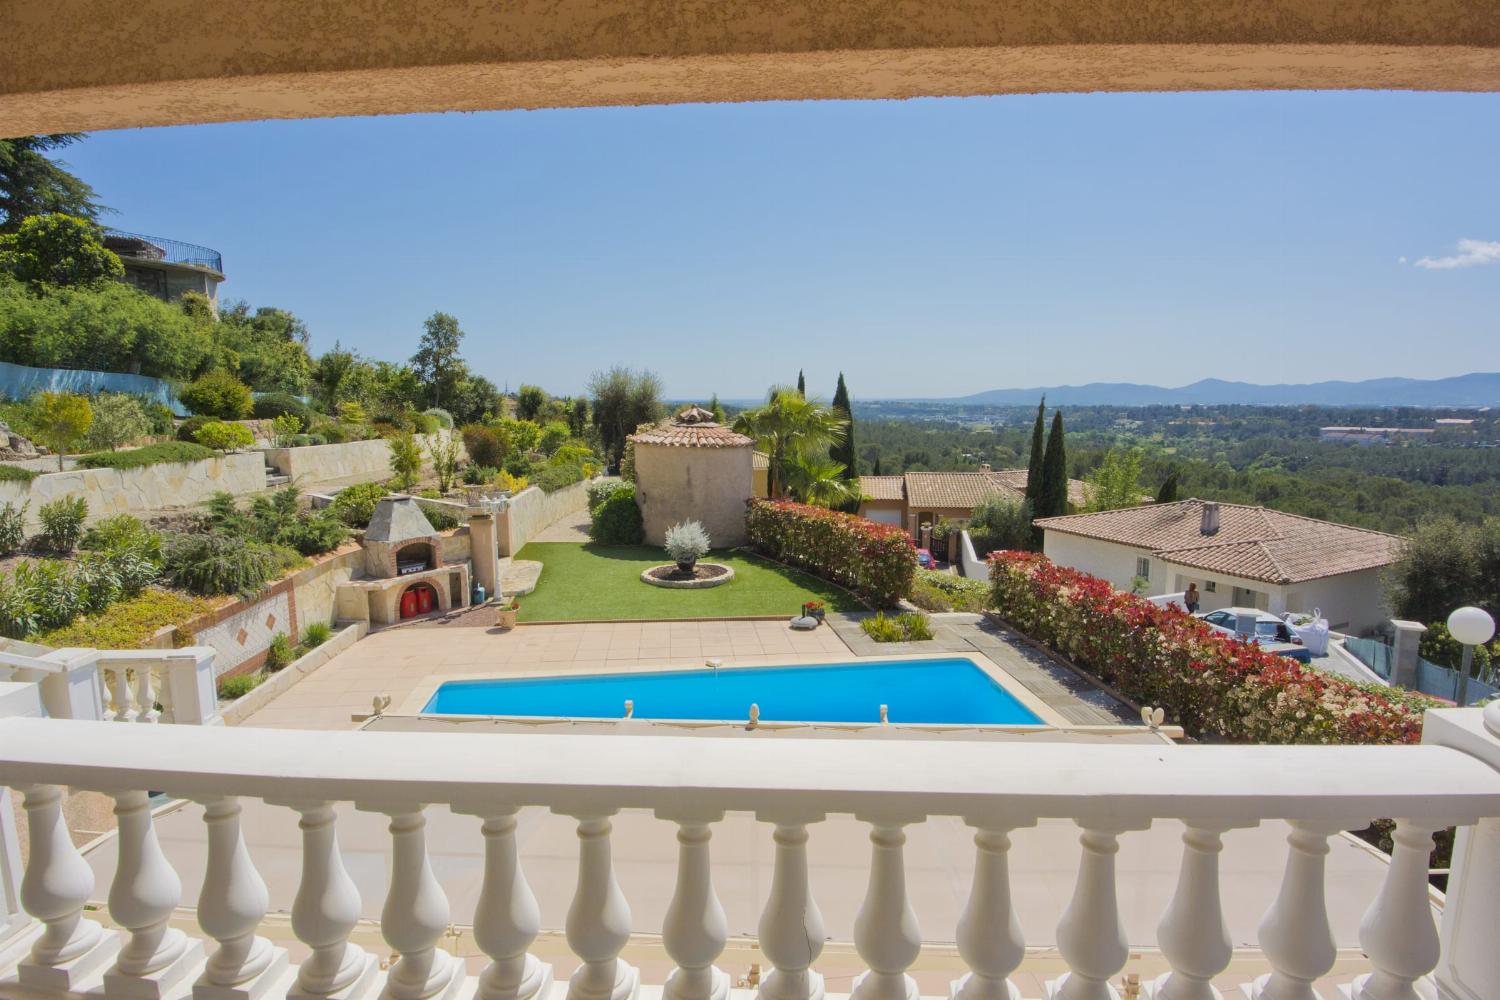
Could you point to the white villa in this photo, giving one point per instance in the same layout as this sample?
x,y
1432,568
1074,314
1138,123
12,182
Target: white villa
x,y
1239,556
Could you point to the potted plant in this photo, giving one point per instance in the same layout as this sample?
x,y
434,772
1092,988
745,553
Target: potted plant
x,y
685,543
814,609
507,615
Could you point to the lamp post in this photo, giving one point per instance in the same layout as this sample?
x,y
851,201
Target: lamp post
x,y
1472,627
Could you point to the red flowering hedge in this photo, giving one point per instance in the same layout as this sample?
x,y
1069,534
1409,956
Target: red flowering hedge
x,y
876,561
1214,686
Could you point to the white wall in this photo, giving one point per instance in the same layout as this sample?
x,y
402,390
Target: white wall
x,y
1352,602
129,491
1106,560
363,461
532,510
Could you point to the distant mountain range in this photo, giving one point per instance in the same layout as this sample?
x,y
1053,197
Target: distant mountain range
x,y
1472,390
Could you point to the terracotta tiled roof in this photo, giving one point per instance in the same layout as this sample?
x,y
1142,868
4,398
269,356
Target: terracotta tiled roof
x,y
760,460
882,487
702,435
1252,542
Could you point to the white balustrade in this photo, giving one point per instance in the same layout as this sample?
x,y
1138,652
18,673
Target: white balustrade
x,y
1105,790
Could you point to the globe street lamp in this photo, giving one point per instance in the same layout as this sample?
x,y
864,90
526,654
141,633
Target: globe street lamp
x,y
1472,627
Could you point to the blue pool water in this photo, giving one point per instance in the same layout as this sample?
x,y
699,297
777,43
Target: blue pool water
x,y
953,691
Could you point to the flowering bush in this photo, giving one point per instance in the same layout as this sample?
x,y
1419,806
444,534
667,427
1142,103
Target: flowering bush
x,y
876,561
1215,686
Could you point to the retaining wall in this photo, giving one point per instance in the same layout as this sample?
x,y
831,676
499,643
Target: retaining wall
x,y
129,491
532,510
347,463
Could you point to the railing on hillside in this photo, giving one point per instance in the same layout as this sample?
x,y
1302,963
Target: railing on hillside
x,y
134,246
792,784
1430,678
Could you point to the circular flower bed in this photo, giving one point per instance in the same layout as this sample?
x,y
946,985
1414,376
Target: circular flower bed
x,y
704,574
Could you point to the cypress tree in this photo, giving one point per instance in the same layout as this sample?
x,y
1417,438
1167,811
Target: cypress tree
x,y
717,409
842,451
801,384
1034,461
1053,498
1168,491
876,471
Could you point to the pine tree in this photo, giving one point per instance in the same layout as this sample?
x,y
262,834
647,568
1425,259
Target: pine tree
x,y
1168,491
801,384
842,451
1052,500
1034,462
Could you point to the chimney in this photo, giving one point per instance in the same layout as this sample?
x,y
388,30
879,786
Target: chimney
x,y
984,467
1210,524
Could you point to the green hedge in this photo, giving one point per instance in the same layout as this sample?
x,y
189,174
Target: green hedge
x,y
165,453
554,477
16,474
876,561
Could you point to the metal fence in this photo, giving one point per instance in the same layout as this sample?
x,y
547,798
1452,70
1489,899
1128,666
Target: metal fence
x,y
1432,678
134,246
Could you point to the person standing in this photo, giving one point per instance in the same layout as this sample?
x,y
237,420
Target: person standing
x,y
1190,599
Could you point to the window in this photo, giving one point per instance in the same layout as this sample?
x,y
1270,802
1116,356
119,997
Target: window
x,y
1210,587
1143,567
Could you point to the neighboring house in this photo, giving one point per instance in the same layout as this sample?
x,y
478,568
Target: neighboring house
x,y
1239,556
924,498
1373,435
168,268
760,474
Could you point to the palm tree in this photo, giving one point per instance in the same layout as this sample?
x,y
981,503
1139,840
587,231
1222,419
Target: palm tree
x,y
788,426
819,481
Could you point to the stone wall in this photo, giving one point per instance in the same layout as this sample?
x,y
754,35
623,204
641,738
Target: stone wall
x,y
532,510
129,491
710,485
345,464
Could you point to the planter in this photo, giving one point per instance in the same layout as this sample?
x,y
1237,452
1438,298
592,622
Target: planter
x,y
506,618
685,566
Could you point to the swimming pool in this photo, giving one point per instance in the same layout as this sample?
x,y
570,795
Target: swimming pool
x,y
944,691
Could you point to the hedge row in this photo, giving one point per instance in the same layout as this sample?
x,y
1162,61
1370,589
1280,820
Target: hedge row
x,y
164,453
876,561
1215,686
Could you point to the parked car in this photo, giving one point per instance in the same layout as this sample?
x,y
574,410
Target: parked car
x,y
1272,633
924,559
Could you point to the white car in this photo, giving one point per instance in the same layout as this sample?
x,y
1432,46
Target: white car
x,y
1270,631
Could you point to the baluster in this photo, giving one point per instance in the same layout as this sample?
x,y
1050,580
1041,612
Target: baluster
x,y
106,695
1294,934
164,695
124,709
231,905
791,927
989,935
1090,936
598,925
507,919
415,916
1192,933
695,928
145,891
145,695
1398,932
56,885
886,934
325,910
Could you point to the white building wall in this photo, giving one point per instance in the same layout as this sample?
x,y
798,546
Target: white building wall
x,y
1106,560
1352,602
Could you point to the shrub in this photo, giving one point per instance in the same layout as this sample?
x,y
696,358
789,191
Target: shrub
x,y
49,594
914,627
12,527
934,591
215,563
907,627
129,623
235,688
1001,522
486,445
350,412
478,475
509,483
600,491
163,453
314,534
279,653
62,522
16,474
421,423
218,394
617,521
553,436
188,429
406,460
285,429
159,416
60,420
1438,646
316,634
118,418
876,561
554,477
687,541
446,453
1215,686
440,516
355,505
443,418
282,404
121,532
224,436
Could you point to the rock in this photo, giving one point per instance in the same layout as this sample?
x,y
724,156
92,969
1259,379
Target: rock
x,y
14,447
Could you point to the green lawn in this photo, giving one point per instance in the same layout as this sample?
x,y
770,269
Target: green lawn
x,y
596,582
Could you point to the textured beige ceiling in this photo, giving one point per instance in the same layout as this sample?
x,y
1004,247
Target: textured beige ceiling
x,y
90,64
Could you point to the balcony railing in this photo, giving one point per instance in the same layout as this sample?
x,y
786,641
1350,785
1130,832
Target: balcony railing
x,y
134,246
995,788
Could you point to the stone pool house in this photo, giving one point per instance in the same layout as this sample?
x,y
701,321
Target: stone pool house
x,y
694,468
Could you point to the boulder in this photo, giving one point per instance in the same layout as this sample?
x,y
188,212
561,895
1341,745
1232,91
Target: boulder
x,y
14,447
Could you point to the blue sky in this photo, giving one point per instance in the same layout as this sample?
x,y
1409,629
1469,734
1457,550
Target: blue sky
x,y
1026,240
